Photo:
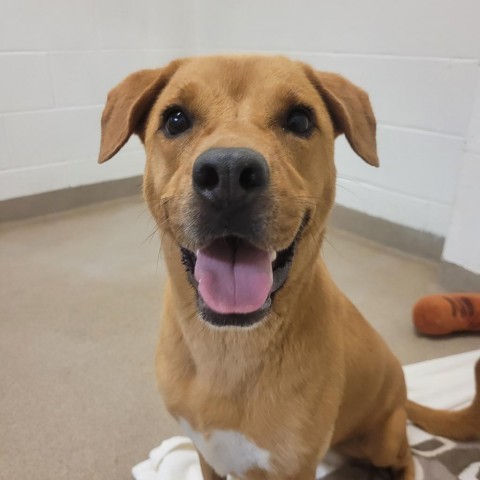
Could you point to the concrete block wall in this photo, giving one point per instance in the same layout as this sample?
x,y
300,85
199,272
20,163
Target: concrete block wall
x,y
462,246
58,59
419,60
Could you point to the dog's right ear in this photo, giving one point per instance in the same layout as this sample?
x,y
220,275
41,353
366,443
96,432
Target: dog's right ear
x,y
128,105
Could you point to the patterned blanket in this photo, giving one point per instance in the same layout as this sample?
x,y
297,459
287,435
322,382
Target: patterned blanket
x,y
435,459
445,383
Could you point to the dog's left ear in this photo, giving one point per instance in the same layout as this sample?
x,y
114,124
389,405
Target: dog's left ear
x,y
128,105
351,112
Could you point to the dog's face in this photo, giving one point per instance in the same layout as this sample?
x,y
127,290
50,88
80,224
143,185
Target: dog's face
x,y
239,167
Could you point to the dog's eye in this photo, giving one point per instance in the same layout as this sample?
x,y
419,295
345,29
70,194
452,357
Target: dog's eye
x,y
299,121
176,122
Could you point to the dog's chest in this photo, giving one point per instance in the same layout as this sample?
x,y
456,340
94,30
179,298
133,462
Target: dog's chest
x,y
228,451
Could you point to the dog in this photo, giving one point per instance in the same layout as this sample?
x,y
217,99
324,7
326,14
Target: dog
x,y
262,359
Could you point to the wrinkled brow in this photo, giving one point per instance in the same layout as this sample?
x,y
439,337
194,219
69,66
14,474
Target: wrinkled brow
x,y
197,96
292,95
287,97
184,93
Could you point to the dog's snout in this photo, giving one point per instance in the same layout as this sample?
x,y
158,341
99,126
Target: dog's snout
x,y
230,176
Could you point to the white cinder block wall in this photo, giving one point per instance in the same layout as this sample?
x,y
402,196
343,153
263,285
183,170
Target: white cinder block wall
x,y
418,59
463,239
58,59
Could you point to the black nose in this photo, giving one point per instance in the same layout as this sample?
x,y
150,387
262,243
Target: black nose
x,y
230,176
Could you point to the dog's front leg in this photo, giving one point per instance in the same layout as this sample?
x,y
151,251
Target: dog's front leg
x,y
303,474
207,471
307,473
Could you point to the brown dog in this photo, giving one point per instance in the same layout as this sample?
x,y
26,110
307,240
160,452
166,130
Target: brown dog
x,y
262,359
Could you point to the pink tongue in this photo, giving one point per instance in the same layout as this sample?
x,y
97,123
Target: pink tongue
x,y
233,280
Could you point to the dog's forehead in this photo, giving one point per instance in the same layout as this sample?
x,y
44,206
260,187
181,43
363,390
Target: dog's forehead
x,y
242,75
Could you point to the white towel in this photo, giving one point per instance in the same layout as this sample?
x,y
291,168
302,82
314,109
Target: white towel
x,y
445,383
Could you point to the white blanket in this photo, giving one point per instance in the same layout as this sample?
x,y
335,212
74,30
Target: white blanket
x,y
445,383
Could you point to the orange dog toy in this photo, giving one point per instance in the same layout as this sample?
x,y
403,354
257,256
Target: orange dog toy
x,y
443,314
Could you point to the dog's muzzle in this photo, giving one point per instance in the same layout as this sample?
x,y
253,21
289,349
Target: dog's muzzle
x,y
234,279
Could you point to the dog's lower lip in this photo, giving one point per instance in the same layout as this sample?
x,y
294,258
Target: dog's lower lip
x,y
281,262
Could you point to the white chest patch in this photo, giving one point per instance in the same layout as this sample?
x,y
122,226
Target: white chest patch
x,y
228,451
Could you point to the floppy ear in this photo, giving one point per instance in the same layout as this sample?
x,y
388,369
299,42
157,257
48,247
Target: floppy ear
x,y
128,105
351,112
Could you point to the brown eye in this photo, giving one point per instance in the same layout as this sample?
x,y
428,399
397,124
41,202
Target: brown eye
x,y
299,121
176,122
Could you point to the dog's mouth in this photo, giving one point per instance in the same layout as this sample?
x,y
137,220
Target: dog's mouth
x,y
235,281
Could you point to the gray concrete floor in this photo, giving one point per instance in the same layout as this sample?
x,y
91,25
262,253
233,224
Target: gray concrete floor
x,y
80,301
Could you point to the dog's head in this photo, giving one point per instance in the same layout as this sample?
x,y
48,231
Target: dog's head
x,y
239,168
